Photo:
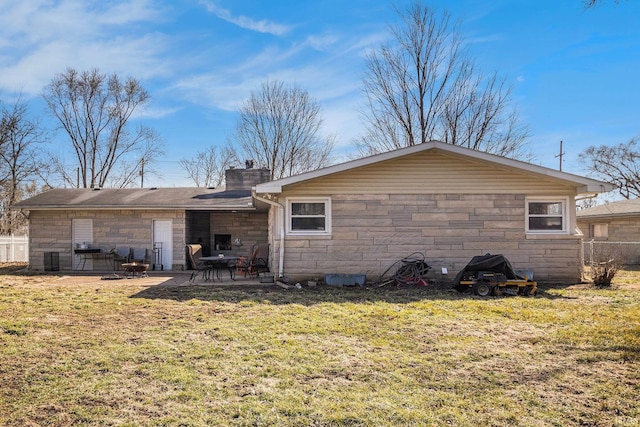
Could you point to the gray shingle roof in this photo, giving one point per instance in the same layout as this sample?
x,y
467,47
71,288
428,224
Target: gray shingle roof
x,y
620,208
192,198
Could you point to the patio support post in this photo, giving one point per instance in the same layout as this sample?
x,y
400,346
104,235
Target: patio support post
x,y
281,212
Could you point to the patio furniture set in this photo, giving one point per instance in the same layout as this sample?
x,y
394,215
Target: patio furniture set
x,y
131,260
210,267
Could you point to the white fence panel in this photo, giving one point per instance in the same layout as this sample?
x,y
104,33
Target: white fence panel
x,y
14,248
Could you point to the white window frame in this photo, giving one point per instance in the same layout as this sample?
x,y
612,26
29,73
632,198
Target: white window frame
x,y
564,201
327,216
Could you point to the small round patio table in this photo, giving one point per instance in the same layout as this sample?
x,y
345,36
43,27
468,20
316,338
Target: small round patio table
x,y
135,269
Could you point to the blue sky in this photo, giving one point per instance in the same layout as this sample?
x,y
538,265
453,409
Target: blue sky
x,y
574,72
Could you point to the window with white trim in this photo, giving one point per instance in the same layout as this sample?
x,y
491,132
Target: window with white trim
x,y
547,216
309,216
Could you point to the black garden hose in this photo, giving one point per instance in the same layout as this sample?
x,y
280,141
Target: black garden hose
x,y
409,270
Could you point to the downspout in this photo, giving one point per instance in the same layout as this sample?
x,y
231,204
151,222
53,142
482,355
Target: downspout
x,y
281,209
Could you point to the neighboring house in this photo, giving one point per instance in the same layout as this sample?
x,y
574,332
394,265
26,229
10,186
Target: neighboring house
x,y
615,221
156,222
447,202
612,230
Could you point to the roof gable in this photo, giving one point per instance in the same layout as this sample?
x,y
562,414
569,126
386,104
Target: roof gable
x,y
485,163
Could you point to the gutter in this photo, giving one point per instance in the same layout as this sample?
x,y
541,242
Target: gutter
x,y
123,207
281,208
587,197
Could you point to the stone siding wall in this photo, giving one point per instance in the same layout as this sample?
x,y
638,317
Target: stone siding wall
x,y
51,231
370,233
625,230
249,227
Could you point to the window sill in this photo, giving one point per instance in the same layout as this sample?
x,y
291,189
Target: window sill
x,y
312,236
552,236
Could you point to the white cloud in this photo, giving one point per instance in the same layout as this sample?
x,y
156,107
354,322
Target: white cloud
x,y
127,57
338,94
210,90
41,38
261,26
489,38
330,73
227,87
269,59
321,43
155,112
126,12
30,22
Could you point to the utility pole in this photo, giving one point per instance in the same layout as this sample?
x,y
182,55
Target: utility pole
x,y
142,173
560,156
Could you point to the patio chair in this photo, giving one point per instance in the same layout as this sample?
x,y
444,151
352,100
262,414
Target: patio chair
x,y
121,255
259,261
242,265
139,255
194,252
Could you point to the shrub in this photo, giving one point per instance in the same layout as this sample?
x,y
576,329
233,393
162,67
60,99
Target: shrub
x,y
602,273
606,260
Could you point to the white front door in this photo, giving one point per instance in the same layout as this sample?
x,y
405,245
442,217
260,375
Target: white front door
x,y
162,244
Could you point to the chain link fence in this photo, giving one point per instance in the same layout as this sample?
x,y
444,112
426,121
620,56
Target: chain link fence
x,y
598,251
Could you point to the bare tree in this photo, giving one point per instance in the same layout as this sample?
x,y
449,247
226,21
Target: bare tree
x,y
618,165
133,170
208,167
279,127
19,137
593,3
423,86
95,110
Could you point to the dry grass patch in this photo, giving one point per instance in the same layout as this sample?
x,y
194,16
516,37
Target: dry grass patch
x,y
80,351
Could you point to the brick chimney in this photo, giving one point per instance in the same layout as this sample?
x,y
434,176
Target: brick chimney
x,y
244,179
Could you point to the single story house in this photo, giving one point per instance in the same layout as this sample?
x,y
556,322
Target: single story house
x,y
159,222
448,202
612,229
615,221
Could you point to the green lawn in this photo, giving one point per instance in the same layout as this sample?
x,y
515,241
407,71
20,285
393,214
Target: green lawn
x,y
134,353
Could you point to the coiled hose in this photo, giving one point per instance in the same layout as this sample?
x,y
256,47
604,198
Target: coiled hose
x,y
409,270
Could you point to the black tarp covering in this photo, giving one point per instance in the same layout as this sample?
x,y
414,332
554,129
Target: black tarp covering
x,y
493,263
